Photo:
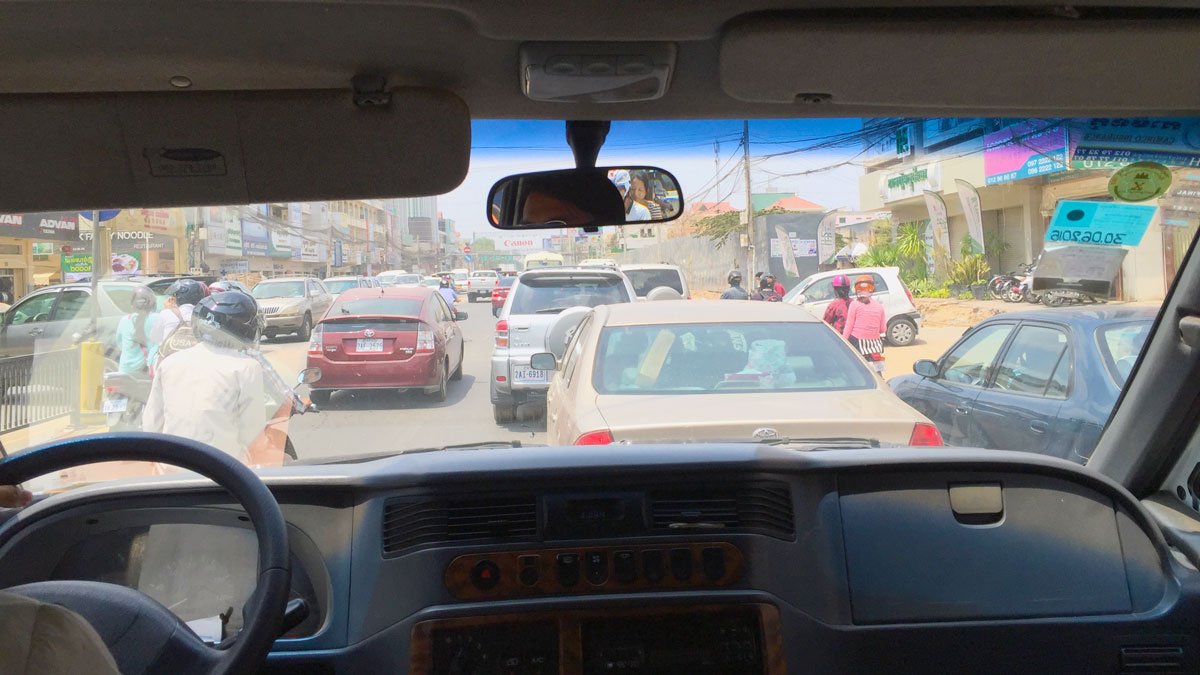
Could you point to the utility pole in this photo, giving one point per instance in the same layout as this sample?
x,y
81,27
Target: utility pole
x,y
749,201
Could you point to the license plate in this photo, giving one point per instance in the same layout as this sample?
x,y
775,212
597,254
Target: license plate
x,y
530,375
370,345
114,405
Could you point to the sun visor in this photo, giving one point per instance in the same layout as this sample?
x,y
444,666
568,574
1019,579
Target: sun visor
x,y
1031,65
178,149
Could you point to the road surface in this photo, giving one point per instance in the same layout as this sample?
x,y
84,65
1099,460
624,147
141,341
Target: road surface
x,y
379,421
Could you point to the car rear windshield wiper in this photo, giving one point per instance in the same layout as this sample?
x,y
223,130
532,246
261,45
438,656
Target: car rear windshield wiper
x,y
551,310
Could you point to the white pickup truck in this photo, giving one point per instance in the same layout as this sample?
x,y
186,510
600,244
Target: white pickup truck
x,y
481,283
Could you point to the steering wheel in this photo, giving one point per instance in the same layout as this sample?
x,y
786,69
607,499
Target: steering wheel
x,y
142,635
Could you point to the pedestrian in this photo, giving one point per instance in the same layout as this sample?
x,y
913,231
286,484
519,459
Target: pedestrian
x,y
866,323
133,332
213,391
182,297
6,291
735,290
766,290
835,313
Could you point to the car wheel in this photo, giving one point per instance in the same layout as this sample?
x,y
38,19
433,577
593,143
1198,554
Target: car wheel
x,y
504,413
439,394
457,374
901,332
320,395
305,328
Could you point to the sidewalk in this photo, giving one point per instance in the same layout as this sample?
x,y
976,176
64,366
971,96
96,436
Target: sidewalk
x,y
950,312
22,439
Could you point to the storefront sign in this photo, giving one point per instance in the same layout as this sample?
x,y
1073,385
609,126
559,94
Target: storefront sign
x,y
295,218
255,238
280,245
77,266
1024,150
223,231
54,226
1099,223
43,248
888,145
939,130
910,182
1108,142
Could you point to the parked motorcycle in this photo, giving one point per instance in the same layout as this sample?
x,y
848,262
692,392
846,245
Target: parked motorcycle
x,y
1002,286
1060,296
125,396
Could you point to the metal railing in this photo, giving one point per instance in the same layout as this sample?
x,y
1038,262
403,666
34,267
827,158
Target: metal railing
x,y
38,388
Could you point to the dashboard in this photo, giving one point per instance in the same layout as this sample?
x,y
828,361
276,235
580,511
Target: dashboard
x,y
657,559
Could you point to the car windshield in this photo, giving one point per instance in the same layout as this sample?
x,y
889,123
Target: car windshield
x,y
980,282
553,294
278,289
720,358
339,285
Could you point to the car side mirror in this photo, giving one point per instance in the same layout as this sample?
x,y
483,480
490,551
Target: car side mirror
x,y
309,376
801,299
460,315
543,361
926,368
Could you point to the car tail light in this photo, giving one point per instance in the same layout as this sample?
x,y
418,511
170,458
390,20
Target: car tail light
x,y
315,340
496,294
925,434
502,333
424,338
910,299
111,390
601,437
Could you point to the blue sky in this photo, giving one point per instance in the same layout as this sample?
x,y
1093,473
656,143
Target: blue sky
x,y
686,148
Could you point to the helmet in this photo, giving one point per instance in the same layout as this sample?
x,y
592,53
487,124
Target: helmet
x,y
227,318
143,300
445,282
220,286
186,291
767,281
864,282
841,280
621,179
734,278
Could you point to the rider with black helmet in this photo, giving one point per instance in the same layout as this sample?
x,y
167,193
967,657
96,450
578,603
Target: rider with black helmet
x,y
213,391
182,297
735,290
766,289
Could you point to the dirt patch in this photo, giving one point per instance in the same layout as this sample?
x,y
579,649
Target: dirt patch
x,y
963,313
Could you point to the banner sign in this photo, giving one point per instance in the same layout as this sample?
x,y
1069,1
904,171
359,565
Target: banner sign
x,y
969,196
255,238
788,256
54,226
1024,150
78,266
939,223
1099,223
1113,142
827,237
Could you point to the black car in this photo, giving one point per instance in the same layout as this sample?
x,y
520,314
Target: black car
x,y
1042,381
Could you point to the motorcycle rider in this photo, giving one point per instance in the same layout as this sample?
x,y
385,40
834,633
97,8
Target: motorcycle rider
x,y
735,290
134,330
448,293
182,297
213,391
866,323
766,290
835,313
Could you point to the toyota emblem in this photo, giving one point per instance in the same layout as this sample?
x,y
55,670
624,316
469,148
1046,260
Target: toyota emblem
x,y
765,433
369,333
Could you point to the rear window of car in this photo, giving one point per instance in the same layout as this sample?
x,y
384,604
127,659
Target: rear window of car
x,y
278,289
339,285
1120,345
726,357
551,295
376,306
645,281
505,282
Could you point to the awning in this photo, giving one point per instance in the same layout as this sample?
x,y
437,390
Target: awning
x,y
45,278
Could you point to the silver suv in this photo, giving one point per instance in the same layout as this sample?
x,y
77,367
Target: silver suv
x,y
291,304
532,306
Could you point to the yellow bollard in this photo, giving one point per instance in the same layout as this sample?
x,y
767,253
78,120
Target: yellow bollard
x,y
91,382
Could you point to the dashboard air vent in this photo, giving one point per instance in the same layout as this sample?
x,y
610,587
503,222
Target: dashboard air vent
x,y
765,508
409,523
1153,659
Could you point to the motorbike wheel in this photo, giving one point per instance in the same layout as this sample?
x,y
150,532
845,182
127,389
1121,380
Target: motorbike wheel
x,y
999,287
1054,300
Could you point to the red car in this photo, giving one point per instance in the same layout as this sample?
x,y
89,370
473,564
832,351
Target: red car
x,y
499,294
387,338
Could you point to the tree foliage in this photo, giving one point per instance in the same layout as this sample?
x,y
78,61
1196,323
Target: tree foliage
x,y
720,227
484,245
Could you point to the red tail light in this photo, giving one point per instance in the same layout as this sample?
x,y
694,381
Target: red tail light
x,y
910,297
601,437
425,343
502,333
496,294
315,340
925,434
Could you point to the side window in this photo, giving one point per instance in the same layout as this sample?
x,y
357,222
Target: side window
x,y
71,303
32,310
574,349
1031,363
880,285
819,290
440,310
314,287
971,360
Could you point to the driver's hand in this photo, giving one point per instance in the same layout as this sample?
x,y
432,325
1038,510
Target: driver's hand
x,y
12,497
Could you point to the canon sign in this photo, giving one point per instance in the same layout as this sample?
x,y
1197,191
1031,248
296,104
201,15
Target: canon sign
x,y
518,244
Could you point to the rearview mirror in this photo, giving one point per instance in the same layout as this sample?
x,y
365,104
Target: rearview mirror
x,y
588,198
926,368
309,376
543,361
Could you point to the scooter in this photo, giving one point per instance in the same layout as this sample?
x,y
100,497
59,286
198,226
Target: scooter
x,y
125,395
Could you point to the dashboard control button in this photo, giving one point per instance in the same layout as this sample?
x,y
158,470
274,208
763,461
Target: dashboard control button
x,y
528,576
652,566
625,566
596,567
681,563
485,575
712,561
567,566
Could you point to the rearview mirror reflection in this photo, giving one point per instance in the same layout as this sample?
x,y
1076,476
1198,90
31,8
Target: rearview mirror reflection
x,y
584,198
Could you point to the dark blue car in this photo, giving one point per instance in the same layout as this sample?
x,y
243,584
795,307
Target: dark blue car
x,y
1041,381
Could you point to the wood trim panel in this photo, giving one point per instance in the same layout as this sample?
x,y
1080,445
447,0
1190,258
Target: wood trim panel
x,y
570,633
458,577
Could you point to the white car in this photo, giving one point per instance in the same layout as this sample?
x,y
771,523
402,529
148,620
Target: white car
x,y
646,278
815,293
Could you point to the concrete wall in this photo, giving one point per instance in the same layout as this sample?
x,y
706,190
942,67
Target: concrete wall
x,y
704,265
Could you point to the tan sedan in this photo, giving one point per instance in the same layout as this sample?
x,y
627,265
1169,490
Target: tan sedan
x,y
694,370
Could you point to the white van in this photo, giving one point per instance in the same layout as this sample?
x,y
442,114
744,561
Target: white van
x,y
815,293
